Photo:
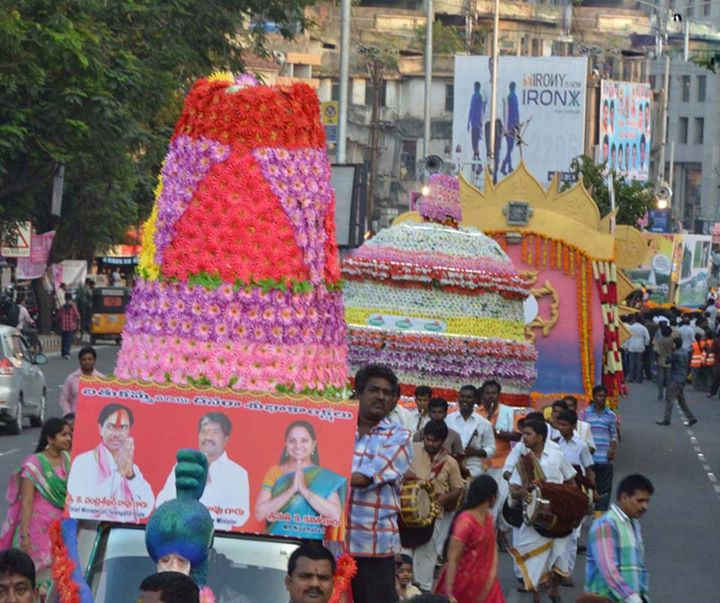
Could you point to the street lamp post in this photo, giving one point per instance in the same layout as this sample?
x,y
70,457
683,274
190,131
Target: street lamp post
x,y
344,81
428,77
493,92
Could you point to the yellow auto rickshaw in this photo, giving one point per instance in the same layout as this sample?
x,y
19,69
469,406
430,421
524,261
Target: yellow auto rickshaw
x,y
108,313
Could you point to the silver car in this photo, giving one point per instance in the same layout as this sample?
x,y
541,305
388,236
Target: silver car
x,y
22,383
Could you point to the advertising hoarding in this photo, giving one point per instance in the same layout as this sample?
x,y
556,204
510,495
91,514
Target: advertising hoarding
x,y
694,271
127,435
625,127
540,114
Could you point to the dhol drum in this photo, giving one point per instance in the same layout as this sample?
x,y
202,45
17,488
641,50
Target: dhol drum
x,y
555,510
418,510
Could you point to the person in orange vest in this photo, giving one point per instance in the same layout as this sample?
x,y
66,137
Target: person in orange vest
x,y
715,351
698,362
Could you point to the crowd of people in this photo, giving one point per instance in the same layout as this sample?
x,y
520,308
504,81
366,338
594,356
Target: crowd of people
x,y
490,468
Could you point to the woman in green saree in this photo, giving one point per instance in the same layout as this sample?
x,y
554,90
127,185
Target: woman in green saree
x,y
36,497
298,497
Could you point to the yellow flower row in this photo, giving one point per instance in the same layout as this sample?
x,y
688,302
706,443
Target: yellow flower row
x,y
474,327
147,266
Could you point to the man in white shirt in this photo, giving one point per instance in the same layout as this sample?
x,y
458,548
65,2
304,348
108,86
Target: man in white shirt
x,y
227,491
536,555
398,413
639,340
578,455
420,416
687,332
475,431
104,483
582,428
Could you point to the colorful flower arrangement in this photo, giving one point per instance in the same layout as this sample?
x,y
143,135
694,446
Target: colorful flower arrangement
x,y
345,571
68,579
240,273
442,203
442,305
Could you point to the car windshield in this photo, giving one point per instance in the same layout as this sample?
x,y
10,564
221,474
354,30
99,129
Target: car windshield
x,y
241,569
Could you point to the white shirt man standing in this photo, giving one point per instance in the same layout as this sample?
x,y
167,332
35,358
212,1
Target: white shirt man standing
x,y
227,491
475,431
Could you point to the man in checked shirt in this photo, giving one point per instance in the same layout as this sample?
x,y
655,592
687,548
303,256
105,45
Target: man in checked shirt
x,y
383,453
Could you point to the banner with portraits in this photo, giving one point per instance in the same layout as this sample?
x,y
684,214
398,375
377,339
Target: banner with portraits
x,y
278,464
625,127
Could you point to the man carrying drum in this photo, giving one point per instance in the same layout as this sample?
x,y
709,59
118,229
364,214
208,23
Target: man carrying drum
x,y
537,555
432,463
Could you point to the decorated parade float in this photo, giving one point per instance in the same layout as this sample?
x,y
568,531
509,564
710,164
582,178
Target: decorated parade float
x,y
235,343
564,255
440,303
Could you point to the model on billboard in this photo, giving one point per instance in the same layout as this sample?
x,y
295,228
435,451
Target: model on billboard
x,y
606,149
613,156
605,116
627,156
511,112
475,124
104,482
643,152
611,122
228,505
620,158
298,497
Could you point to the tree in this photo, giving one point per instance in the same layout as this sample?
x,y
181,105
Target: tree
x,y
446,40
632,198
96,86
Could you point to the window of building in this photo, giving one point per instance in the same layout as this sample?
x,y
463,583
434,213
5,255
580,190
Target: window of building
x,y
683,130
449,97
706,8
370,93
652,79
702,87
686,88
699,134
409,159
536,47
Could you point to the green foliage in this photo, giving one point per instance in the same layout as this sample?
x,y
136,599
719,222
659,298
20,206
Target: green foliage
x,y
446,40
632,198
97,86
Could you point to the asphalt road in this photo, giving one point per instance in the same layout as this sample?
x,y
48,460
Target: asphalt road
x,y
681,529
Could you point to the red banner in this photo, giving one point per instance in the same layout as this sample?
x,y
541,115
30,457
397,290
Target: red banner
x,y
277,464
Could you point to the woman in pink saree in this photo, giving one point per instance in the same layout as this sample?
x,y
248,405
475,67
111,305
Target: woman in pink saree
x,y
36,497
470,574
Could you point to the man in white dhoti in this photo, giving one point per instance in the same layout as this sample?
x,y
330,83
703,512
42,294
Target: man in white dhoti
x,y
226,493
538,557
578,455
104,483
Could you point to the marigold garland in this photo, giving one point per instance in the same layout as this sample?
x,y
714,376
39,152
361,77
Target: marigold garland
x,y
63,567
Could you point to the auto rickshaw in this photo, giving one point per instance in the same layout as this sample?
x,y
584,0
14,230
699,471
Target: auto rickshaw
x,y
108,313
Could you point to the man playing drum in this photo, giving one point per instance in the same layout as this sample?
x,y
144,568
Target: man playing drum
x,y
535,555
431,462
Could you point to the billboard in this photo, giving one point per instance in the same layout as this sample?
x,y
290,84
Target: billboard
x,y
270,455
625,124
694,271
540,114
656,271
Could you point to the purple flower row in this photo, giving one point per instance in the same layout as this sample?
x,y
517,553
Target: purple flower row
x,y
176,309
301,181
449,365
188,161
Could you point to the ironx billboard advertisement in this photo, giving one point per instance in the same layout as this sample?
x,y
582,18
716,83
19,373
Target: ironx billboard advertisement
x,y
625,125
540,115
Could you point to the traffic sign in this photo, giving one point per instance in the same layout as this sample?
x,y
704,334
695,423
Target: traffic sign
x,y
330,113
18,243
331,133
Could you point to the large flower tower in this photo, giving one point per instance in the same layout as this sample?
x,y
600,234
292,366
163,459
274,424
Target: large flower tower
x,y
239,271
440,303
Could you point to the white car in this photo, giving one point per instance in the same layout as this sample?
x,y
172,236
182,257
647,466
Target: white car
x,y
22,383
242,568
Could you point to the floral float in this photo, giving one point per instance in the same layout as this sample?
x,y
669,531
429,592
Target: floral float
x,y
239,275
440,303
